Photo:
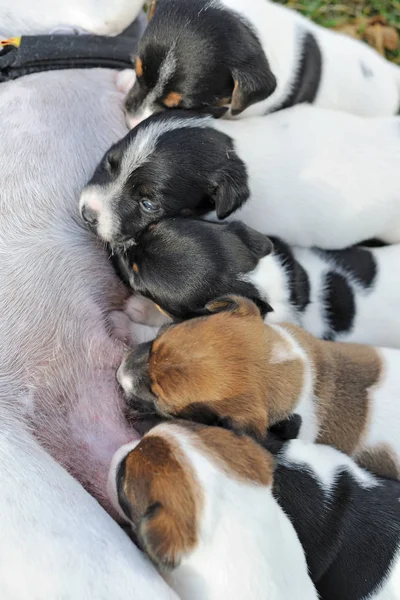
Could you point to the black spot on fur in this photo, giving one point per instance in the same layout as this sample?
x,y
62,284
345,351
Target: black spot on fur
x,y
305,86
358,263
373,243
350,537
339,303
297,276
206,415
288,429
366,70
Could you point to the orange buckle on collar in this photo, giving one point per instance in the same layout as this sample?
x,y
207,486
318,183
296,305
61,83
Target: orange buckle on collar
x,y
13,41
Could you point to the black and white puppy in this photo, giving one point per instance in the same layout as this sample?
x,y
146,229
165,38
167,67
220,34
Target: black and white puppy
x,y
313,177
347,520
181,264
251,57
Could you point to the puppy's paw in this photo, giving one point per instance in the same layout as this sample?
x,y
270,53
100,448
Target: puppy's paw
x,y
125,80
142,333
121,327
144,311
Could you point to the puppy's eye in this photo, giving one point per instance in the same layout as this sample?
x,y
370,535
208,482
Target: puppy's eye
x,y
148,206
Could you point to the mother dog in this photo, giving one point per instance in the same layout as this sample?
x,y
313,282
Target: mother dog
x,y
57,388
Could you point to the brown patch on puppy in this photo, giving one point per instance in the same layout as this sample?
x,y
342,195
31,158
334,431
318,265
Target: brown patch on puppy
x,y
381,460
237,99
223,101
162,311
135,267
221,364
172,100
238,455
139,67
344,376
152,10
159,492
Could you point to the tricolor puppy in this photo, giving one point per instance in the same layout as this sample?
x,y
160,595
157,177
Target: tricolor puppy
x,y
251,57
182,264
231,369
200,503
310,176
348,521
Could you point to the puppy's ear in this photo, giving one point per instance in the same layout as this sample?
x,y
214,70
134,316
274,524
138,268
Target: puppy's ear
x,y
234,304
163,537
230,187
253,83
259,244
152,10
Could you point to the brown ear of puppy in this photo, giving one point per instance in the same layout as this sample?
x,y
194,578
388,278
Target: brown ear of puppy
x,y
152,10
163,539
157,491
238,305
251,86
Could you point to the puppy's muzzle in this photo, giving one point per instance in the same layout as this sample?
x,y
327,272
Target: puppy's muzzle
x,y
133,374
90,216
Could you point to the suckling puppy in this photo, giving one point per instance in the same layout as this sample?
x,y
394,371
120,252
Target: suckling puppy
x,y
310,176
250,57
230,368
200,503
347,520
182,264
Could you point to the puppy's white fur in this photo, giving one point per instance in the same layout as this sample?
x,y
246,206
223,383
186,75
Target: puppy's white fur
x,y
376,315
355,78
247,546
318,177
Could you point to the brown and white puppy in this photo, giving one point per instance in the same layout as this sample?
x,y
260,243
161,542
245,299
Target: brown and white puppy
x,y
230,368
181,489
199,500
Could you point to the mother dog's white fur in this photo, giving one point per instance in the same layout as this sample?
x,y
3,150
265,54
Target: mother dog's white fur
x,y
355,78
101,17
57,360
56,541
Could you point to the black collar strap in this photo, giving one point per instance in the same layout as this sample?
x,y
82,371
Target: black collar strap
x,y
32,54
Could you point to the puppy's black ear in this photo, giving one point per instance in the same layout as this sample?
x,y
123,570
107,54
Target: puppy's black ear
x,y
253,82
235,304
259,244
288,429
230,186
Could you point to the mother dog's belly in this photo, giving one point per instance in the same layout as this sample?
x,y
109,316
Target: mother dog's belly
x,y
56,285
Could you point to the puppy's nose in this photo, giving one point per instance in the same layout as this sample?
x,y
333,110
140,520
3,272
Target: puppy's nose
x,y
125,380
90,216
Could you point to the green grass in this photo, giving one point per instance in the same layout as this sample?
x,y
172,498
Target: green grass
x,y
341,12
